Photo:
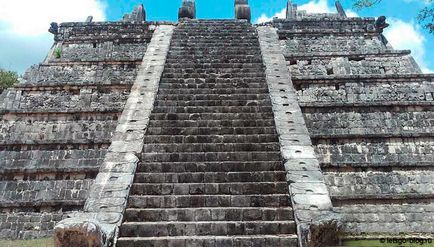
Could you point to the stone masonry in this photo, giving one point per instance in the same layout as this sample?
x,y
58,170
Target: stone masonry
x,y
303,131
57,124
369,113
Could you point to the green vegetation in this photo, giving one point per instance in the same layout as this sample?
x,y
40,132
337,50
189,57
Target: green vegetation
x,y
7,79
45,242
377,243
57,53
425,16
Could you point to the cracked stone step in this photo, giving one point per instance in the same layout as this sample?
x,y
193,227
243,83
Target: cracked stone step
x,y
227,166
211,97
211,131
205,228
213,109
212,123
213,75
210,177
210,116
209,147
208,188
186,201
253,122
282,240
207,57
210,70
194,65
214,80
211,156
212,85
210,214
211,138
215,90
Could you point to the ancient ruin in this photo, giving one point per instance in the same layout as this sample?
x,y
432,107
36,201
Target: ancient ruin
x,y
305,131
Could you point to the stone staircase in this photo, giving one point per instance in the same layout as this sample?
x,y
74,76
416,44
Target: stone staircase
x,y
211,172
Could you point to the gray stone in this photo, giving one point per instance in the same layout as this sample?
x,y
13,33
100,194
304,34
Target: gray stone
x,y
83,232
187,9
340,9
242,10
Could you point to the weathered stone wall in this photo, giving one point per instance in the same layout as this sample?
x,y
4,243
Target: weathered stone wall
x,y
318,23
378,153
72,99
92,73
350,66
366,91
385,121
327,43
28,225
57,124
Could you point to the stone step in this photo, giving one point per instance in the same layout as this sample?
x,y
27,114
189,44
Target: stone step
x,y
227,166
211,116
209,57
211,138
214,80
201,57
281,240
205,228
213,123
211,97
213,109
196,33
209,147
196,65
207,91
211,156
185,42
229,38
223,102
209,214
205,85
211,131
208,48
211,177
213,75
210,70
186,201
208,188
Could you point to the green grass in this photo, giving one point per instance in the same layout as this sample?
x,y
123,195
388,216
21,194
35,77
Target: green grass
x,y
44,242
48,242
378,243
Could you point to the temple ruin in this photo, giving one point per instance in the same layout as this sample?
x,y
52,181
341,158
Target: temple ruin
x,y
305,131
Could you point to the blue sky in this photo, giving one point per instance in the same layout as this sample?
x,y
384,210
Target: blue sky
x,y
24,39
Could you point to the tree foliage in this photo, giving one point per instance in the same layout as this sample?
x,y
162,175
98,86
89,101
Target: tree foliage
x,y
7,79
425,16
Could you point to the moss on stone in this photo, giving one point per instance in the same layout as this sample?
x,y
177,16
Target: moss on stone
x,y
378,243
44,242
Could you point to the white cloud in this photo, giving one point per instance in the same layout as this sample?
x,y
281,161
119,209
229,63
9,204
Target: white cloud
x,y
24,27
351,13
408,35
422,1
314,6
264,18
26,17
317,6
